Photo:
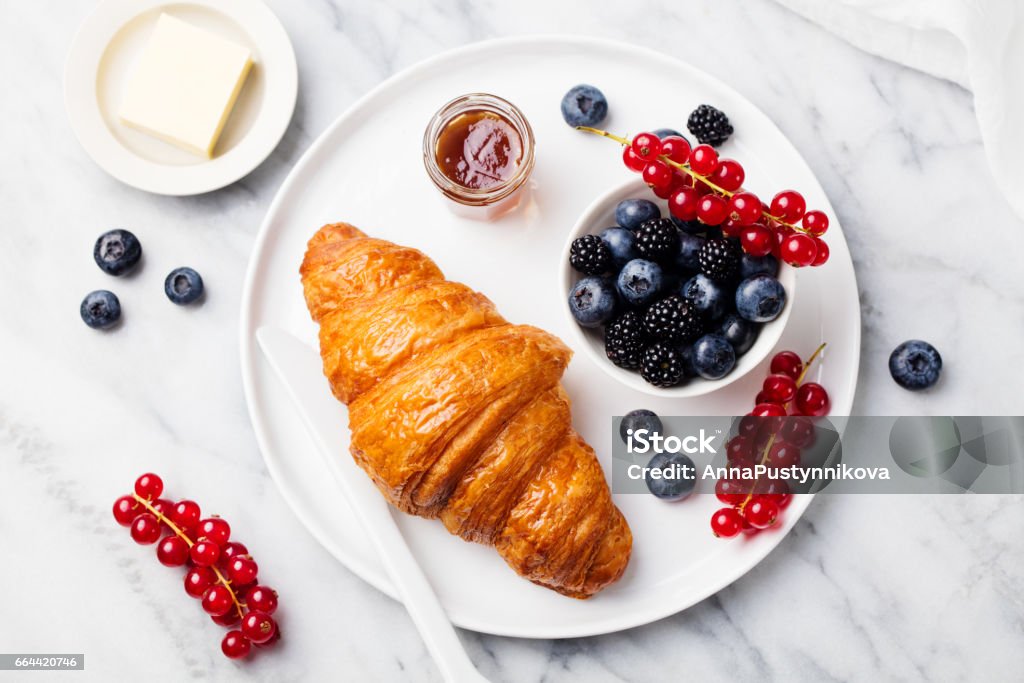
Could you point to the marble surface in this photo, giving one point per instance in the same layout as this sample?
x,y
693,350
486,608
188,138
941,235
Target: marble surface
x,y
865,588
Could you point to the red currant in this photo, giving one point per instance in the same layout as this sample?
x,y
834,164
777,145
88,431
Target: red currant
x,y
782,454
631,160
731,491
726,523
812,400
712,210
703,159
679,180
230,618
737,448
232,549
779,388
662,192
774,488
172,551
163,506
745,207
676,148
145,529
762,397
657,175
214,529
235,645
683,203
242,569
262,598
217,600
788,205
768,410
761,512
798,431
149,486
728,175
787,363
749,426
799,250
258,627
185,514
822,254
204,553
816,222
198,579
126,509
702,188
647,146
756,240
732,228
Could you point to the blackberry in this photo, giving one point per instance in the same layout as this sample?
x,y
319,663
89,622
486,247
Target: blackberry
x,y
624,340
673,319
720,259
662,365
658,240
589,254
709,125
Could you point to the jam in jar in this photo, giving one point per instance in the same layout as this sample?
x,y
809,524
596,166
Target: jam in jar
x,y
478,150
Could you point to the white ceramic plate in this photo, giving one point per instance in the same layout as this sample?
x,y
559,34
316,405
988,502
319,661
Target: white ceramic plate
x,y
367,169
601,215
100,62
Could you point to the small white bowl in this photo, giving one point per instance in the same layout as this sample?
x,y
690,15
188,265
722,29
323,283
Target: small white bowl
x,y
601,215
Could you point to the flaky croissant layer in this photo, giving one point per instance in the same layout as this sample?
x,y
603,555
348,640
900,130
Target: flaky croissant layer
x,y
457,414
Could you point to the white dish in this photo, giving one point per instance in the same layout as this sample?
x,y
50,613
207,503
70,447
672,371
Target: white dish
x,y
367,169
601,215
101,59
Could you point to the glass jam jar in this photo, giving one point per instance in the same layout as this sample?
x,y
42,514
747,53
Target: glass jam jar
x,y
479,151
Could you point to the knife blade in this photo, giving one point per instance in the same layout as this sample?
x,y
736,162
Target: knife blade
x,y
300,370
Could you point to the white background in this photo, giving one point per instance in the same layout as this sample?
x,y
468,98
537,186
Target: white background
x,y
864,586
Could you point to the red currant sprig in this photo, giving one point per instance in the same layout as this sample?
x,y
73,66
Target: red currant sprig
x,y
778,442
219,570
700,186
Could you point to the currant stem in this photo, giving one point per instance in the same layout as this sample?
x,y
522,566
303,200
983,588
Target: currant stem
x,y
807,364
771,439
685,168
183,536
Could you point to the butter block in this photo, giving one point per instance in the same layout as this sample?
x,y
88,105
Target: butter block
x,y
184,85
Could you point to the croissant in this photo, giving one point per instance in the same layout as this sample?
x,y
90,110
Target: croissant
x,y
457,414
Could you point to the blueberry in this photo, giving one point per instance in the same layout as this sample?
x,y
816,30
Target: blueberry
x,y
758,265
592,301
663,133
100,309
915,365
689,227
183,286
710,297
689,252
631,213
760,299
686,356
117,252
621,243
713,356
739,332
679,472
640,418
584,105
639,282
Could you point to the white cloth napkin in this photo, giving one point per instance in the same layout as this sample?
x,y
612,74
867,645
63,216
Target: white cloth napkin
x,y
976,43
